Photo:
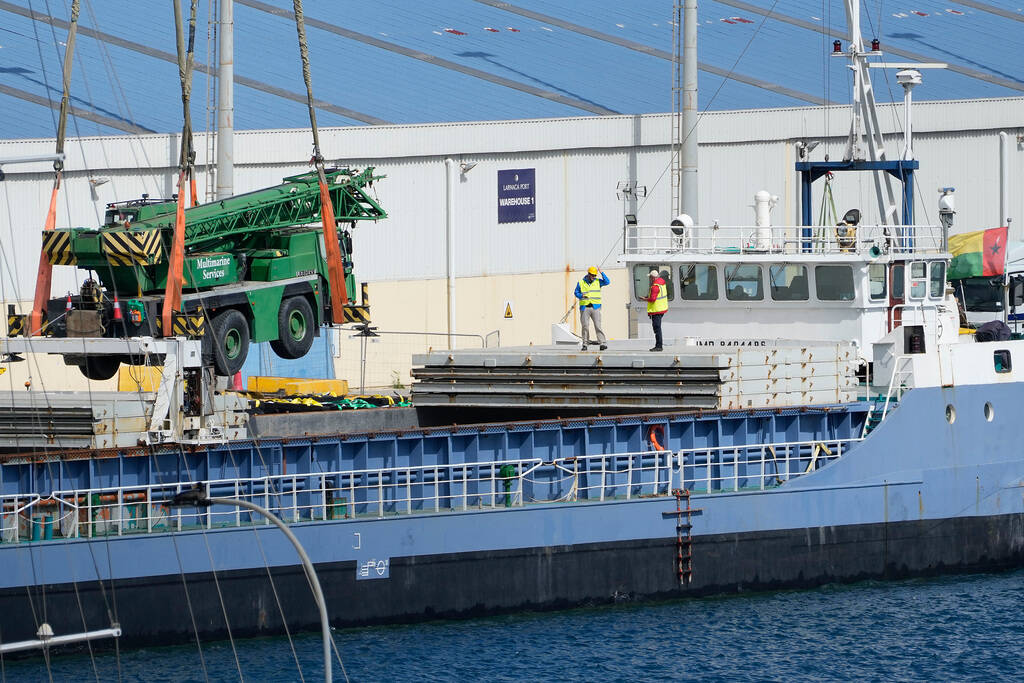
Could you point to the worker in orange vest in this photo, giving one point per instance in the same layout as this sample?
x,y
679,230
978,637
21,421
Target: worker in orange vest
x,y
657,304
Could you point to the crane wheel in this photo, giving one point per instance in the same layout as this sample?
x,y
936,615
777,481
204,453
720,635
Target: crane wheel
x,y
231,336
295,328
100,367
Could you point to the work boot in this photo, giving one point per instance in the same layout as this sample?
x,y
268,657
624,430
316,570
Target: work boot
x,y
656,348
584,346
604,346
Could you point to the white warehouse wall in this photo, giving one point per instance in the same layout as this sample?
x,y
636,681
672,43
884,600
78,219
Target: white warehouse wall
x,y
578,163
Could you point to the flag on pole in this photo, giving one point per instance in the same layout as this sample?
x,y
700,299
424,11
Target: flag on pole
x,y
981,253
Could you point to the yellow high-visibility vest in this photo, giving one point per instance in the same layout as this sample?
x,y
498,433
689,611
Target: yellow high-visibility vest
x,y
660,304
591,292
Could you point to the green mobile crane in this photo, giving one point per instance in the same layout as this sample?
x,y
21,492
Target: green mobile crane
x,y
255,269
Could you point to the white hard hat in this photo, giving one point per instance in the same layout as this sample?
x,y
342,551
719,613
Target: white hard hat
x,y
655,273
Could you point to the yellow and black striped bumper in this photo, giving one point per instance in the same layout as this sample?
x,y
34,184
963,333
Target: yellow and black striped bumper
x,y
57,247
127,248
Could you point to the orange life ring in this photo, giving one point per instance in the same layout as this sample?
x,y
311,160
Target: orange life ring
x,y
654,439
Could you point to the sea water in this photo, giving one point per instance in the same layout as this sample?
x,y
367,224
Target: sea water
x,y
960,628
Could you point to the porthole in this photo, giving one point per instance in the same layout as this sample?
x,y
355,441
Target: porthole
x,y
989,412
950,414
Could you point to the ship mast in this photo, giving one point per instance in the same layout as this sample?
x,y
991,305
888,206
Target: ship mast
x,y
684,108
865,142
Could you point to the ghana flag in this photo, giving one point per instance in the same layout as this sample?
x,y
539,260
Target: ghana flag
x,y
980,253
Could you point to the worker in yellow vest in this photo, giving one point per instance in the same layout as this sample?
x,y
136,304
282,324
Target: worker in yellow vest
x,y
588,291
657,304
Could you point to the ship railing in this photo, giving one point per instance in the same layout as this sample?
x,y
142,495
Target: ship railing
x,y
13,517
903,372
915,313
315,496
408,490
872,240
756,466
711,469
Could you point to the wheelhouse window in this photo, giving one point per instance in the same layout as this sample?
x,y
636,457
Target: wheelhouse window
x,y
834,283
788,282
743,282
936,279
897,279
642,283
918,279
876,281
698,282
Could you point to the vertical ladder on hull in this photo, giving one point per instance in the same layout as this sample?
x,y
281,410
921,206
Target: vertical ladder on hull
x,y
684,538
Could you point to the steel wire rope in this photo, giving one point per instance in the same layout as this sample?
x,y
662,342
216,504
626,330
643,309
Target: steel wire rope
x,y
174,539
15,514
278,494
106,535
112,615
58,165
206,541
327,214
674,154
897,122
270,577
119,96
185,61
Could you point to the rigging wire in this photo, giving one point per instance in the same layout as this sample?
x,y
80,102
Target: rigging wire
x,y
58,167
674,153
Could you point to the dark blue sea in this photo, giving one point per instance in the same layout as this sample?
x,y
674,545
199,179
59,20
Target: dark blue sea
x,y
962,628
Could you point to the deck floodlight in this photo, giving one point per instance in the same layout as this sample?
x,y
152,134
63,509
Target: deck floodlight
x,y
630,219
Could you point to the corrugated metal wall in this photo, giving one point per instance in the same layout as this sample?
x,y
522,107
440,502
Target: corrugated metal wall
x,y
578,163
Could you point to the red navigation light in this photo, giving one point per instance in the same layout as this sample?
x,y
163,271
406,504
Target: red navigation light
x,y
837,46
875,45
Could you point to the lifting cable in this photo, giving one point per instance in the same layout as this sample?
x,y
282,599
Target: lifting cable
x,y
175,264
335,266
44,276
827,216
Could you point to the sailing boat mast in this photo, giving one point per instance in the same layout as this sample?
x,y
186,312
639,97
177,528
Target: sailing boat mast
x,y
684,109
226,101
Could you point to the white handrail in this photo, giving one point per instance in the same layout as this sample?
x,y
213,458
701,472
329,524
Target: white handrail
x,y
782,239
317,496
894,386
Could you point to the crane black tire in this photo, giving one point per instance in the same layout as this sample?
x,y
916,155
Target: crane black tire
x,y
295,328
100,367
231,336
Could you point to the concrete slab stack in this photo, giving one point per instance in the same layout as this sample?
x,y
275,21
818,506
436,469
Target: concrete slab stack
x,y
684,377
100,419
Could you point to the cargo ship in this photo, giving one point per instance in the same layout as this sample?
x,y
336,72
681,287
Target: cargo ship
x,y
816,415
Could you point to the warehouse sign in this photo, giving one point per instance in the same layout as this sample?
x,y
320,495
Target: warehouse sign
x,y
517,196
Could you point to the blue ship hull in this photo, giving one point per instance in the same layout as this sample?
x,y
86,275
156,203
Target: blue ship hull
x,y
917,496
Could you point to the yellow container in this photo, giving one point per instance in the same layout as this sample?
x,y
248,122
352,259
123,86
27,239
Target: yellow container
x,y
291,386
138,378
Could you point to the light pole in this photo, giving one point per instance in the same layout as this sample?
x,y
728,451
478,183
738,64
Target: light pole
x,y
197,497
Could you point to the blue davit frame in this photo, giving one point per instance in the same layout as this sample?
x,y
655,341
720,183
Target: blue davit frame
x,y
902,170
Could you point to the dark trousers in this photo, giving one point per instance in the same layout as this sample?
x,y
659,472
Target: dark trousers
x,y
656,324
